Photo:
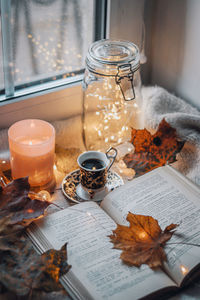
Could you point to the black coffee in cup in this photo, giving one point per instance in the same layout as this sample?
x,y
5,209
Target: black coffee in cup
x,y
94,167
93,164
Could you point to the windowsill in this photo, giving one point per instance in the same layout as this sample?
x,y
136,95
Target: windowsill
x,y
51,106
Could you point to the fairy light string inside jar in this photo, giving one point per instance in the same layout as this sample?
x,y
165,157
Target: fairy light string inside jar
x,y
112,101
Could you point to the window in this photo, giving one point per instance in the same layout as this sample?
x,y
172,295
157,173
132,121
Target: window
x,y
43,43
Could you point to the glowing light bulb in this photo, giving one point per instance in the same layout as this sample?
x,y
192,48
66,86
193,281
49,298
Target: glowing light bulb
x,y
143,235
184,270
44,195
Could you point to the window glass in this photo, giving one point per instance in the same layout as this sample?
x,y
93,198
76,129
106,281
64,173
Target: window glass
x,y
50,38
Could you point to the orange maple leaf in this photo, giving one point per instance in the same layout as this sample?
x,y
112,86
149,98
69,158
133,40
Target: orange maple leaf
x,y
143,241
152,151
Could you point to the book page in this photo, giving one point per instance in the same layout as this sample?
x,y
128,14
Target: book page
x,y
97,266
169,198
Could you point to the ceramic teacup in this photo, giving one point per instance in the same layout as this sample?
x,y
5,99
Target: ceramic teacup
x,y
94,167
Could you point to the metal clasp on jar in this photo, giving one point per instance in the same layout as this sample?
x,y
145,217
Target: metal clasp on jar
x,y
124,78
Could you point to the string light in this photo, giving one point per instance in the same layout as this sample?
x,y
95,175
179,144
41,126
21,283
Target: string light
x,y
184,270
2,182
143,235
116,115
44,195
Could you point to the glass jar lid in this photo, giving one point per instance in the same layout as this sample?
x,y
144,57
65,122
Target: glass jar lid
x,y
106,56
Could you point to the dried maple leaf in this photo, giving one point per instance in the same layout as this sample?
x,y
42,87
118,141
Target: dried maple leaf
x,y
15,203
143,241
23,271
152,151
54,266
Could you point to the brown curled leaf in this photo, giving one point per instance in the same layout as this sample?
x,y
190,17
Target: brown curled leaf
x,y
15,202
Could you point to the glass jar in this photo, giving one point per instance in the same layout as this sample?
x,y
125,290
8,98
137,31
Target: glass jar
x,y
112,101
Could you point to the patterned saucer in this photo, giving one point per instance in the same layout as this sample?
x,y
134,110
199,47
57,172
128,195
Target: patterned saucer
x,y
72,180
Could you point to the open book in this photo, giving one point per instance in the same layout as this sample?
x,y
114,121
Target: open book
x,y
97,271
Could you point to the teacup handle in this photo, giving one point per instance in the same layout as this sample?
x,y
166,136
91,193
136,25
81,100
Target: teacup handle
x,y
111,157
